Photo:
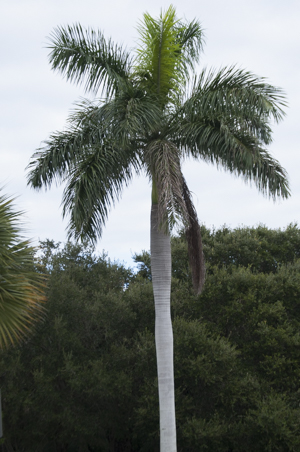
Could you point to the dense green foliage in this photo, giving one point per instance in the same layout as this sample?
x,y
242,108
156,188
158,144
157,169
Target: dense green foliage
x,y
86,380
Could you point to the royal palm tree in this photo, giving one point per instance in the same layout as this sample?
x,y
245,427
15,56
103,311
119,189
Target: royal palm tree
x,y
153,112
21,288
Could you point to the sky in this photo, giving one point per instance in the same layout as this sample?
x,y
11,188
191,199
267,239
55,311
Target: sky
x,y
261,36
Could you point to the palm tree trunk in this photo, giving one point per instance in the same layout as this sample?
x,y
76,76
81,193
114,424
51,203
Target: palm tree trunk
x,y
161,278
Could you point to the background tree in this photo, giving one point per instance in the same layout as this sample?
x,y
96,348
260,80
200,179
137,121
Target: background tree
x,y
84,380
21,288
149,120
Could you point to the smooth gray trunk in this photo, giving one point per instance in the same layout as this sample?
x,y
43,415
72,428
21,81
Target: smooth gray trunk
x,y
161,278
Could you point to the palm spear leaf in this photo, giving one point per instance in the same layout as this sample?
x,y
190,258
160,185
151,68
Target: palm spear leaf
x,y
21,288
169,50
86,56
159,55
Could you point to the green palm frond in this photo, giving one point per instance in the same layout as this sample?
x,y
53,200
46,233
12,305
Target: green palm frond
x,y
159,51
94,185
132,116
226,121
191,39
53,161
240,153
236,92
86,56
21,288
169,49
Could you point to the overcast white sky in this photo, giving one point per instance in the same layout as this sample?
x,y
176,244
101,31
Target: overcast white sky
x,y
261,36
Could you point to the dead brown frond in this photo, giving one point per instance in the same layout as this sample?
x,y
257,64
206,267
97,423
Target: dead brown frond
x,y
174,201
162,158
195,248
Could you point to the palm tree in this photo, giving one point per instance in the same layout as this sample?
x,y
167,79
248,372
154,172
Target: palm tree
x,y
153,113
21,288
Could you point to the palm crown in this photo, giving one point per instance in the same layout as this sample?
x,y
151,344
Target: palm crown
x,y
154,111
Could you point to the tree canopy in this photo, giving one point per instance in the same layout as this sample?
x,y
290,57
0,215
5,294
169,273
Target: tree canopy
x,y
86,380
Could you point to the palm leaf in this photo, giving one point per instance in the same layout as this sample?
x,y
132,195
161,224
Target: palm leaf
x,y
162,161
226,121
86,56
94,185
194,240
240,91
191,39
21,288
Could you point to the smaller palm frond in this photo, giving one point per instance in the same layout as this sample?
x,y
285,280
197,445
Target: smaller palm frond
x,y
194,240
21,288
86,56
94,185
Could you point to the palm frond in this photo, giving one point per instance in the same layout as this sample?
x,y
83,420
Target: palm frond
x,y
191,39
94,185
61,152
21,288
226,121
162,160
132,116
237,151
238,93
174,201
85,56
194,240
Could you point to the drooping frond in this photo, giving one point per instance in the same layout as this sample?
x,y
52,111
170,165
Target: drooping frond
x,y
21,288
94,185
239,153
53,161
85,56
194,240
123,120
175,205
226,121
162,160
236,92
94,160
